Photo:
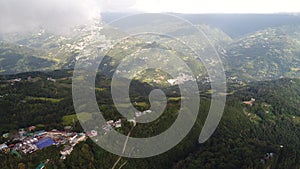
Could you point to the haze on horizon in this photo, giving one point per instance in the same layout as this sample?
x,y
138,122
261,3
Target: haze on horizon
x,y
218,6
23,15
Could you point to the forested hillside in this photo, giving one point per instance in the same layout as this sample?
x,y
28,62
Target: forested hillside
x,y
243,139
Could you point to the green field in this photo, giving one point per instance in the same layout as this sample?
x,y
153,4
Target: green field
x,y
53,100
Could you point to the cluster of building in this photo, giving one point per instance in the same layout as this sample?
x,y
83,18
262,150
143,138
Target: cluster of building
x,y
29,78
182,78
19,79
139,114
29,142
235,79
73,139
110,124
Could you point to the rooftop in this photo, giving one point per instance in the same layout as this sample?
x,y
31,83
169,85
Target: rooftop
x,y
45,142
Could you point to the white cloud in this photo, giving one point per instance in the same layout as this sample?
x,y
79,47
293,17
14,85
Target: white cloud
x,y
117,5
55,15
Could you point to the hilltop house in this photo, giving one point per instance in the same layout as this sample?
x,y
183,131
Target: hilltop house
x,y
3,146
250,103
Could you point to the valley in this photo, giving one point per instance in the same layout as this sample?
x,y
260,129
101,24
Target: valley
x,y
261,121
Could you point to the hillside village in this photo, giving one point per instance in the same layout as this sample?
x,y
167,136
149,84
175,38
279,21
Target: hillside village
x,y
29,140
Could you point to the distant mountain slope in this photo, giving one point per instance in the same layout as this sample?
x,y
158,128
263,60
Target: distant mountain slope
x,y
269,53
239,25
235,25
58,50
266,54
19,58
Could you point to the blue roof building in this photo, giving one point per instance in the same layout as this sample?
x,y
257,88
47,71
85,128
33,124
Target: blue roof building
x,y
45,142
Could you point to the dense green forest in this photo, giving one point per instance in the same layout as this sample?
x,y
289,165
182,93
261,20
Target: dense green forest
x,y
242,140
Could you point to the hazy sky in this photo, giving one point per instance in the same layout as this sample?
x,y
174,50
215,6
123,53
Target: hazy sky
x,y
20,15
218,6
